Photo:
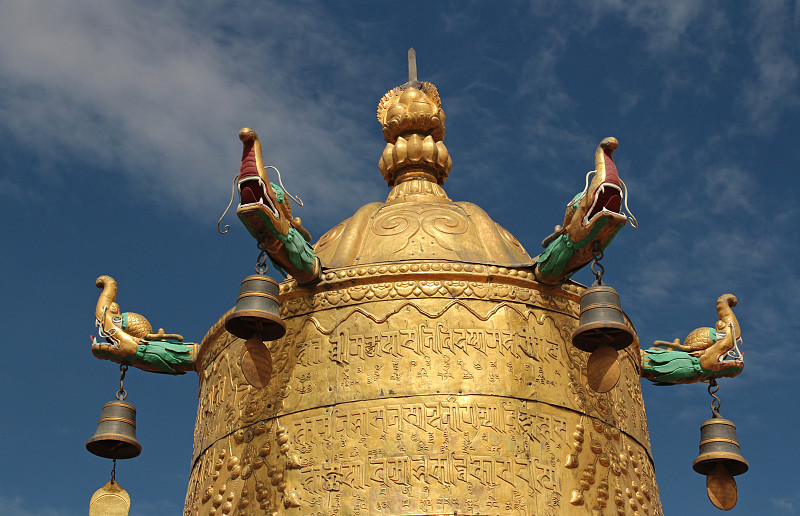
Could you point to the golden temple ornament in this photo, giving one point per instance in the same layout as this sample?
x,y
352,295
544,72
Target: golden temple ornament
x,y
110,500
427,364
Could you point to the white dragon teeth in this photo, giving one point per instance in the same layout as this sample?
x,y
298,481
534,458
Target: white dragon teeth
x,y
600,190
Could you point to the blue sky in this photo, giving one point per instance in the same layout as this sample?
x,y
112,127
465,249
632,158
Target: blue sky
x,y
118,143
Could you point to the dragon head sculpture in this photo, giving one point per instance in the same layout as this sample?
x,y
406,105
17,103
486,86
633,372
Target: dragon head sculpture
x,y
259,208
265,211
707,352
592,219
600,204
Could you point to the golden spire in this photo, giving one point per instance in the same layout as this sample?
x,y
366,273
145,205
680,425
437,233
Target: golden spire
x,y
412,121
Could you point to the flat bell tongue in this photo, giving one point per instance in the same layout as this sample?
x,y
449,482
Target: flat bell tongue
x,y
110,500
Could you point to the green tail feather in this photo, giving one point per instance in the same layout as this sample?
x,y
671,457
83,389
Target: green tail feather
x,y
167,357
669,366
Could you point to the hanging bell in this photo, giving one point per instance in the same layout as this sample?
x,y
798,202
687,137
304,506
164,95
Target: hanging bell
x,y
601,321
115,437
602,332
256,311
720,460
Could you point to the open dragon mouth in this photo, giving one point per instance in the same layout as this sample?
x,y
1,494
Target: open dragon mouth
x,y
734,356
253,191
607,199
253,194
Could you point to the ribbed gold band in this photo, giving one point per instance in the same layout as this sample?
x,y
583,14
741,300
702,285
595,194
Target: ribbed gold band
x,y
257,294
122,419
718,440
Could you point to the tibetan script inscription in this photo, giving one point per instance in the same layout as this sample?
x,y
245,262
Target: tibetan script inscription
x,y
411,456
438,339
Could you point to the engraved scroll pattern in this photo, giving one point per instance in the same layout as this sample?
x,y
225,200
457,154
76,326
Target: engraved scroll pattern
x,y
436,222
332,235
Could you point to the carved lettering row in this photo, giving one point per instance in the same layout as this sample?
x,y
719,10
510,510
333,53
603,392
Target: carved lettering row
x,y
427,417
345,346
452,469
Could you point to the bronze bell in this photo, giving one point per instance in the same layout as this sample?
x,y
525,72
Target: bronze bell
x,y
601,321
602,332
256,311
718,445
720,461
115,437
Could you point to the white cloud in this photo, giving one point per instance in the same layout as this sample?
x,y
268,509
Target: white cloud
x,y
774,51
785,504
156,94
549,130
665,21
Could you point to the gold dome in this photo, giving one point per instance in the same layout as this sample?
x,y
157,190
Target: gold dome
x,y
418,221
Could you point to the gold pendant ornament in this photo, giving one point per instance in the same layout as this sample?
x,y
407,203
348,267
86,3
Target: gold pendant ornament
x,y
110,500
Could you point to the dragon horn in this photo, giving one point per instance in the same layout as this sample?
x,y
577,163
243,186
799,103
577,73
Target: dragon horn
x,y
725,303
603,162
107,296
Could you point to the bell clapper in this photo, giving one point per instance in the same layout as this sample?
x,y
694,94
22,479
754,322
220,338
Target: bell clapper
x,y
721,488
110,500
603,369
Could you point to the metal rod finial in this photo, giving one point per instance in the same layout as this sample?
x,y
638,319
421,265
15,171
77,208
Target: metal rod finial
x,y
412,65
